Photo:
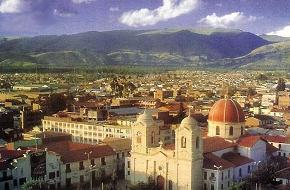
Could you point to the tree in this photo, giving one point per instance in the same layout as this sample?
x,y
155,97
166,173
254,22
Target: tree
x,y
281,85
34,185
266,171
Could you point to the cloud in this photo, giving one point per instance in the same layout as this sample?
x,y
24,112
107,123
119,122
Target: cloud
x,y
114,9
82,1
14,6
168,10
228,20
284,32
64,12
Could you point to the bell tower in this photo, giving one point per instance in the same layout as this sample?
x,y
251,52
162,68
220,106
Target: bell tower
x,y
189,150
145,133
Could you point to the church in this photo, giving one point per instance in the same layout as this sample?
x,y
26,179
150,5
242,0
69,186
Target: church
x,y
194,161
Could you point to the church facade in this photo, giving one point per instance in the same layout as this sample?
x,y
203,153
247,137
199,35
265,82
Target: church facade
x,y
192,162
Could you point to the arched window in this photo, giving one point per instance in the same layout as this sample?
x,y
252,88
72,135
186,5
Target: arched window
x,y
217,130
152,138
197,143
231,131
183,142
242,130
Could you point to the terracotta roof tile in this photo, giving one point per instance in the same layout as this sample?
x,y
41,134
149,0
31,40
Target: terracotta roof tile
x,y
276,139
236,159
249,141
73,152
210,160
212,144
270,149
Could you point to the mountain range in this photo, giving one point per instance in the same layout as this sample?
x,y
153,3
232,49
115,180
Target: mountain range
x,y
191,47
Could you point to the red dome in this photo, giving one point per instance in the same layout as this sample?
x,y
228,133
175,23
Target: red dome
x,y
226,110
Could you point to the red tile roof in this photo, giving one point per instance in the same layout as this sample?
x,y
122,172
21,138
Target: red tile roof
x,y
210,160
226,110
212,144
236,159
270,149
169,147
249,141
73,152
11,154
276,139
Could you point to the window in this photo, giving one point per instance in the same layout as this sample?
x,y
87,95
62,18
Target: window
x,y
204,175
81,165
240,172
81,179
279,146
212,175
229,183
170,185
51,175
229,173
4,174
242,130
183,142
197,143
128,163
284,154
103,161
92,162
22,180
217,130
123,154
68,182
249,168
118,156
15,182
212,187
231,131
204,186
57,174
67,168
128,172
152,138
222,175
222,186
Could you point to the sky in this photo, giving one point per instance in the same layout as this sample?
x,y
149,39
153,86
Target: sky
x,y
43,17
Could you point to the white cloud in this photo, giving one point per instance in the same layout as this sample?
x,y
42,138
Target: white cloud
x,y
169,9
14,6
228,20
284,32
82,1
114,9
64,13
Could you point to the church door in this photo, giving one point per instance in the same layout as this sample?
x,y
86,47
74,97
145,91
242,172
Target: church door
x,y
160,182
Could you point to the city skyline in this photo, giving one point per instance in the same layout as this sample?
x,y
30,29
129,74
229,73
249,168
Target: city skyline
x,y
41,17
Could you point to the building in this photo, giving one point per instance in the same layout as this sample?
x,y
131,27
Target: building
x,y
86,131
151,160
224,156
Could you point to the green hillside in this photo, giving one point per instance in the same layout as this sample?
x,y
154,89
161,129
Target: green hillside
x,y
136,47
